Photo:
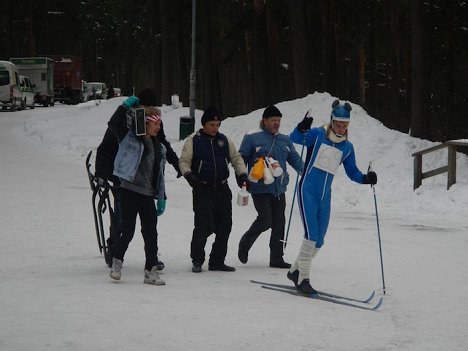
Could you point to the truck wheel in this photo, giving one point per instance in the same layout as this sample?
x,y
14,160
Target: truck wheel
x,y
13,106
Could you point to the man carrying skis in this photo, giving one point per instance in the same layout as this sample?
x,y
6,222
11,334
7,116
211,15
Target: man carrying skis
x,y
105,157
327,148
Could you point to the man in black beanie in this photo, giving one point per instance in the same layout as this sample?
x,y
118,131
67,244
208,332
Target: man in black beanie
x,y
268,193
204,163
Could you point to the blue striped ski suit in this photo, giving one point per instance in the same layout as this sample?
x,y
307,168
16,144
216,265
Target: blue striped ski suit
x,y
314,188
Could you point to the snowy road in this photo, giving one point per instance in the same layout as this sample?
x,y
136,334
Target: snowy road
x,y
55,293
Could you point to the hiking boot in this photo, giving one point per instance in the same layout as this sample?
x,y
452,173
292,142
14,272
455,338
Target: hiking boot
x,y
197,267
116,269
306,288
221,267
152,277
279,264
293,276
159,265
243,254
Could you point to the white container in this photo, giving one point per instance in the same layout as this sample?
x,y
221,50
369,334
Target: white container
x,y
275,167
267,175
243,196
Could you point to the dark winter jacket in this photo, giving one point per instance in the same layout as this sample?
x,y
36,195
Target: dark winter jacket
x,y
208,157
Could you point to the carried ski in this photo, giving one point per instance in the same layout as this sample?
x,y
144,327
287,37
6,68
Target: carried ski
x,y
327,298
101,195
321,293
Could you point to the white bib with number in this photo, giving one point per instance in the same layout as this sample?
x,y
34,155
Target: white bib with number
x,y
328,159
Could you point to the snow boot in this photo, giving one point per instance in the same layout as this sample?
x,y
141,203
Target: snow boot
x,y
221,267
279,264
116,269
197,267
306,288
152,277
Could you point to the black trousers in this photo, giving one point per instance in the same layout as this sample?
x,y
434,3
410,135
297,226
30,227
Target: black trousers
x,y
132,204
212,207
270,209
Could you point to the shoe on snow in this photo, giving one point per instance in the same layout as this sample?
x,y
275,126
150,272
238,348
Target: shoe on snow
x,y
116,269
221,267
197,267
279,264
306,288
152,277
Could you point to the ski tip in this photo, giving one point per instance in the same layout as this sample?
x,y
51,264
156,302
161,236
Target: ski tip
x,y
370,297
378,305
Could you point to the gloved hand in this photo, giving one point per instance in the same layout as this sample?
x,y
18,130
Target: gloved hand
x,y
241,179
192,179
131,101
369,178
102,182
160,207
305,123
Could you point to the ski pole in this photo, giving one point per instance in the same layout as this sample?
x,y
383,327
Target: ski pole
x,y
378,233
294,194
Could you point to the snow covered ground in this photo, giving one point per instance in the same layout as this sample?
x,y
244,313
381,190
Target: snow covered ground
x,y
55,292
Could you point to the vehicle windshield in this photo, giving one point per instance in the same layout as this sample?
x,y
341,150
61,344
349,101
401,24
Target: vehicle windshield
x,y
97,86
4,78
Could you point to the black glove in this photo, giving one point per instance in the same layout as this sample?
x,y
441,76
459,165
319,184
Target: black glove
x,y
305,124
102,182
369,178
192,179
242,179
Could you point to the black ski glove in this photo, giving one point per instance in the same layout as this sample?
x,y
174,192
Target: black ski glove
x,y
192,179
369,178
242,179
305,124
102,182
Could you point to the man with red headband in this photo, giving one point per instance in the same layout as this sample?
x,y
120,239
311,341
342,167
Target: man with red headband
x,y
139,165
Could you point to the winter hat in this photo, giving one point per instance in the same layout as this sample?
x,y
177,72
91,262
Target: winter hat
x,y
210,114
340,112
148,97
271,111
152,113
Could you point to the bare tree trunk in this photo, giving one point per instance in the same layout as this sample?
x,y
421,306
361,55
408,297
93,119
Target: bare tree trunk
x,y
299,47
417,76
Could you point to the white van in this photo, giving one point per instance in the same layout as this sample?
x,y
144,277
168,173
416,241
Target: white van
x,y
10,94
27,91
96,90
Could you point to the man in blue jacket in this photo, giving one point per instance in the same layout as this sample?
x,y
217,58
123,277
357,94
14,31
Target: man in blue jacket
x,y
269,199
327,148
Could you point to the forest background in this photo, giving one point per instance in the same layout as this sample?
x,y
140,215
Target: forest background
x,y
404,61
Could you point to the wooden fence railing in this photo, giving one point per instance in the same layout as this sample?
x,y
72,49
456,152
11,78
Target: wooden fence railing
x,y
450,168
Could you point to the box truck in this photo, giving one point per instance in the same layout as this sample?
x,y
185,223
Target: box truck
x,y
68,76
40,71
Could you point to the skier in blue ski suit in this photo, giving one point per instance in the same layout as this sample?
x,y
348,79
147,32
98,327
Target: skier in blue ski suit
x,y
327,148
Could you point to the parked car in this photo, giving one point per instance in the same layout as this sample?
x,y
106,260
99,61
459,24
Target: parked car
x,y
27,92
96,90
10,94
